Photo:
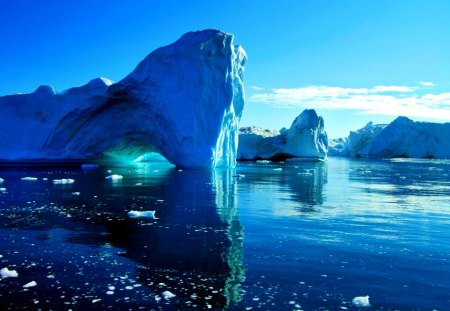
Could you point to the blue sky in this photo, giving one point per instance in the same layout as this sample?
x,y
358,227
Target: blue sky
x,y
353,61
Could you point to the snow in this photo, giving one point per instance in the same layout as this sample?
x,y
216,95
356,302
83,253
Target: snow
x,y
30,284
183,100
401,138
6,273
306,138
167,295
114,177
361,301
142,214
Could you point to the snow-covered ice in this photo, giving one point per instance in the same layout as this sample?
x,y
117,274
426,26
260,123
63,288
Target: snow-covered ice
x,y
142,214
6,273
29,178
63,181
361,301
114,177
306,139
403,137
167,294
30,284
183,100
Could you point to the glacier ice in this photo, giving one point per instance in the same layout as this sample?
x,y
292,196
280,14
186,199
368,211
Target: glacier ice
x,y
403,137
357,143
183,100
306,139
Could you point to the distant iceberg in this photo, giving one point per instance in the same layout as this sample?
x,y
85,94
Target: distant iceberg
x,y
402,138
305,139
183,100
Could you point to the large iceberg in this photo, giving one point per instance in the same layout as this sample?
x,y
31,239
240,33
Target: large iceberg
x,y
306,139
401,138
183,100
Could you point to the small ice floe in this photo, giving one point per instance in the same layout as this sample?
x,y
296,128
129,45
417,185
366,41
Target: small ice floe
x,y
114,177
167,295
263,161
2,189
64,181
89,167
29,178
6,273
239,175
278,169
1,180
76,193
96,300
138,184
361,301
30,284
142,214
44,178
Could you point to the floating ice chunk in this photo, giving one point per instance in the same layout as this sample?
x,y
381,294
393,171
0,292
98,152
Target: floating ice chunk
x,y
110,292
143,214
263,161
114,177
45,178
29,178
64,181
6,273
278,169
361,301
96,300
76,193
30,284
1,180
2,189
167,295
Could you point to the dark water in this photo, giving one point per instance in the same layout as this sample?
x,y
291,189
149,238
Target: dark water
x,y
286,236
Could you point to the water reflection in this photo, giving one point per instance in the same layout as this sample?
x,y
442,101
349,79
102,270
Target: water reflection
x,y
299,185
194,249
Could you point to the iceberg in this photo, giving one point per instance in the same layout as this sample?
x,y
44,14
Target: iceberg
x,y
305,139
183,101
402,138
357,143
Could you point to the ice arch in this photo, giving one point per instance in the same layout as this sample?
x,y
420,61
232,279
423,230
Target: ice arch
x,y
183,100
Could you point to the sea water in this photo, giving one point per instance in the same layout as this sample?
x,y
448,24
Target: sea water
x,y
265,236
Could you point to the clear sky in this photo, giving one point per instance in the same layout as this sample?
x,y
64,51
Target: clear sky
x,y
352,61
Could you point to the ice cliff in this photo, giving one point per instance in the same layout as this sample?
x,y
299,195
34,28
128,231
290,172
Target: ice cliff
x,y
306,138
401,138
183,100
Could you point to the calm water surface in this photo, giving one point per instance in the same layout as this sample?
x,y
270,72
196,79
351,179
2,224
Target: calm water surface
x,y
276,236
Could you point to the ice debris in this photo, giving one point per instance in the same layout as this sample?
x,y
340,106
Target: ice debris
x,y
114,177
361,301
143,214
64,181
30,284
167,295
6,273
29,178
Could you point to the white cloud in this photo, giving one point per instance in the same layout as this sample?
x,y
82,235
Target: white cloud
x,y
426,83
381,100
256,88
393,88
